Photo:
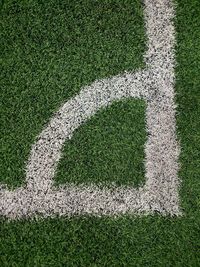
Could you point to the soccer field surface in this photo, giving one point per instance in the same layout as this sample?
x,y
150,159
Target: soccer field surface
x,y
99,169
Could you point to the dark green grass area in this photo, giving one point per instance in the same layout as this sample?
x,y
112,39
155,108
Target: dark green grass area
x,y
49,50
108,148
126,241
130,241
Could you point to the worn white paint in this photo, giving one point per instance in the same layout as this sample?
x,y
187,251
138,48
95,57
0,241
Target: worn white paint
x,y
154,84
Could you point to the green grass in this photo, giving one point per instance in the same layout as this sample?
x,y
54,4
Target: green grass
x,y
150,241
108,148
49,50
31,87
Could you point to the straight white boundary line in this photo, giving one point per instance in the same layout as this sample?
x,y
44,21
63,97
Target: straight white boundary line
x,y
154,84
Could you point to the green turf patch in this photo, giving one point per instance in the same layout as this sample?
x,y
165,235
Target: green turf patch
x,y
49,50
188,100
126,241
107,149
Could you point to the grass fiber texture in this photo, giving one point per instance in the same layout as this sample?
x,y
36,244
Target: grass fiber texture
x,y
49,50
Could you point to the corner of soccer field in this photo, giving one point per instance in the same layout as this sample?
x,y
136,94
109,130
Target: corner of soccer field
x,y
51,49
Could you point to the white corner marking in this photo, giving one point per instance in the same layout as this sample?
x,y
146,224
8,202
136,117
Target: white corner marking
x,y
154,84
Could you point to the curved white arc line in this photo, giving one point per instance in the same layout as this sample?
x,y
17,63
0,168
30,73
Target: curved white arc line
x,y
73,199
46,152
156,85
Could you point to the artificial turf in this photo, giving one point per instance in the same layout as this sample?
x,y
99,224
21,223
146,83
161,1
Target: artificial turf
x,y
41,69
107,149
50,49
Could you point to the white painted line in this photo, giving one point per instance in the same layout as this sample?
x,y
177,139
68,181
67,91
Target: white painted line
x,y
154,84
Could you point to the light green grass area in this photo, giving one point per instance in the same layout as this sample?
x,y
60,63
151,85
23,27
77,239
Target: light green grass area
x,y
41,69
